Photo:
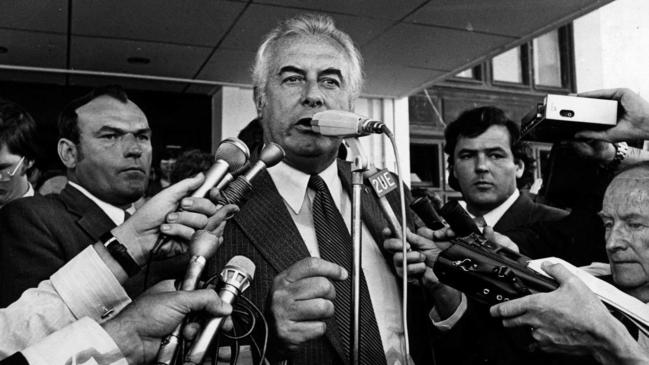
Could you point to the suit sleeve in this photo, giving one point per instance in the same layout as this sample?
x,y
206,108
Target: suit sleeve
x,y
28,253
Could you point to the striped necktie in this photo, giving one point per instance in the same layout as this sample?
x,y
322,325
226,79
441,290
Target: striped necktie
x,y
335,245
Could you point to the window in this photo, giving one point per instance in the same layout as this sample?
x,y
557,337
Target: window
x,y
508,66
426,164
543,64
547,60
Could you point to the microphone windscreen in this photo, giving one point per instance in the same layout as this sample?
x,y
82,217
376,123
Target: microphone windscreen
x,y
234,152
242,264
271,154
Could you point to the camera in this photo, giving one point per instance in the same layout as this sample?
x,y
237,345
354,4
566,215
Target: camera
x,y
559,117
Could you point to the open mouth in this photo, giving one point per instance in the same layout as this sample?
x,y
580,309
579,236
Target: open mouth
x,y
305,122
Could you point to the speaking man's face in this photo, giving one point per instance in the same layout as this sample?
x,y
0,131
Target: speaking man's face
x,y
307,74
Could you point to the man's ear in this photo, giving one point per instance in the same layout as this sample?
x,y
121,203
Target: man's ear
x,y
68,153
26,166
520,168
258,97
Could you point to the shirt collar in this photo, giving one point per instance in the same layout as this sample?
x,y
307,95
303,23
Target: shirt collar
x,y
114,213
292,183
493,216
30,191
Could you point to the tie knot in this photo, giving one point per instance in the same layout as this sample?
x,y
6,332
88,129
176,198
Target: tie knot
x,y
316,183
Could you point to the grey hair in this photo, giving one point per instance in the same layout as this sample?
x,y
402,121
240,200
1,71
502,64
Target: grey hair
x,y
308,25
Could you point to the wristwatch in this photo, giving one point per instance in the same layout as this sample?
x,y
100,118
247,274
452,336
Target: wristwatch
x,y
120,253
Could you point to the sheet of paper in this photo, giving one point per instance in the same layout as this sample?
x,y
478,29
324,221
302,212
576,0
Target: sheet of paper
x,y
633,308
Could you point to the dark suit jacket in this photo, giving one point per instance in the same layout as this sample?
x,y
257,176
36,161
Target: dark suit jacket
x,y
264,232
524,211
480,339
40,234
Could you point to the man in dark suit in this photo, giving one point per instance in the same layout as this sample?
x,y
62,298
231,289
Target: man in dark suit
x,y
304,66
105,145
485,158
17,151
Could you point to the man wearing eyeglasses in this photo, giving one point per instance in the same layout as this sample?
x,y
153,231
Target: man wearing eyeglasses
x,y
17,151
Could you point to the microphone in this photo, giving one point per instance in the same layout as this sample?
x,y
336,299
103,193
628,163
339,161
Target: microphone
x,y
382,183
340,123
269,156
235,278
201,248
231,155
425,209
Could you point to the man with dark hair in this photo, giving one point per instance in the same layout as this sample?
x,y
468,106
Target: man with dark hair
x,y
17,151
485,158
105,144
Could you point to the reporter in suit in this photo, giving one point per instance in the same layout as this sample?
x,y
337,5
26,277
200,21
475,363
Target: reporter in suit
x,y
89,287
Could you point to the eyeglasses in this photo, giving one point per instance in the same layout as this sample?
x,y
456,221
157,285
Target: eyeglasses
x,y
8,173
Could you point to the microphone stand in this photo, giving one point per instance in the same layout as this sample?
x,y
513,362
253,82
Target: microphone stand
x,y
359,166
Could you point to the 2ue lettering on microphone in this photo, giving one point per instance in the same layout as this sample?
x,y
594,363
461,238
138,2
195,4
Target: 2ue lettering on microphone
x,y
382,182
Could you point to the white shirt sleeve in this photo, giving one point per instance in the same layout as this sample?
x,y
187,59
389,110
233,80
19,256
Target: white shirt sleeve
x,y
82,342
85,286
448,323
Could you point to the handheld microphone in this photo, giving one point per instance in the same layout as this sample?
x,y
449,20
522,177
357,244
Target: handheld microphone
x,y
231,155
269,156
235,278
425,209
382,183
460,221
230,176
340,123
202,247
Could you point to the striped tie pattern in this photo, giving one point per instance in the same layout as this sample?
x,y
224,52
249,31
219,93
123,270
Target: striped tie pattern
x,y
335,245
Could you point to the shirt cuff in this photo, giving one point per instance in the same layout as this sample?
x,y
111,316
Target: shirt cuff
x,y
82,342
89,288
448,323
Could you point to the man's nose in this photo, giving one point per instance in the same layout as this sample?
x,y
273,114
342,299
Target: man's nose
x,y
312,96
616,238
132,146
481,163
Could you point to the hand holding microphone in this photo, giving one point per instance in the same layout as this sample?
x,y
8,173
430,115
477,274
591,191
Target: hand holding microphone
x,y
235,279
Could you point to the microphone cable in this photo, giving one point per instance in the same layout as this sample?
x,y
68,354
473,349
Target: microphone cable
x,y
404,282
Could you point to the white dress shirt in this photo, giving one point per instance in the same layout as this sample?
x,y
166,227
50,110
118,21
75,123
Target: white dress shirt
x,y
29,192
83,287
493,216
114,213
381,283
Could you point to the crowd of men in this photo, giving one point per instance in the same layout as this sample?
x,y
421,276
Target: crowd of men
x,y
70,263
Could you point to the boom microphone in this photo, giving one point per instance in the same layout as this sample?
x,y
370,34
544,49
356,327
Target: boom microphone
x,y
231,155
235,279
340,123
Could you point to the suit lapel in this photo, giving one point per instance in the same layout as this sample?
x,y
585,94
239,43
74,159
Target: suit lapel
x,y
90,218
516,215
269,226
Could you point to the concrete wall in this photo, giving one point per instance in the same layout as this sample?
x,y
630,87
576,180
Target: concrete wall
x,y
612,47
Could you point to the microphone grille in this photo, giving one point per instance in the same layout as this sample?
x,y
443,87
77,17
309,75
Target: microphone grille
x,y
271,154
234,152
243,264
